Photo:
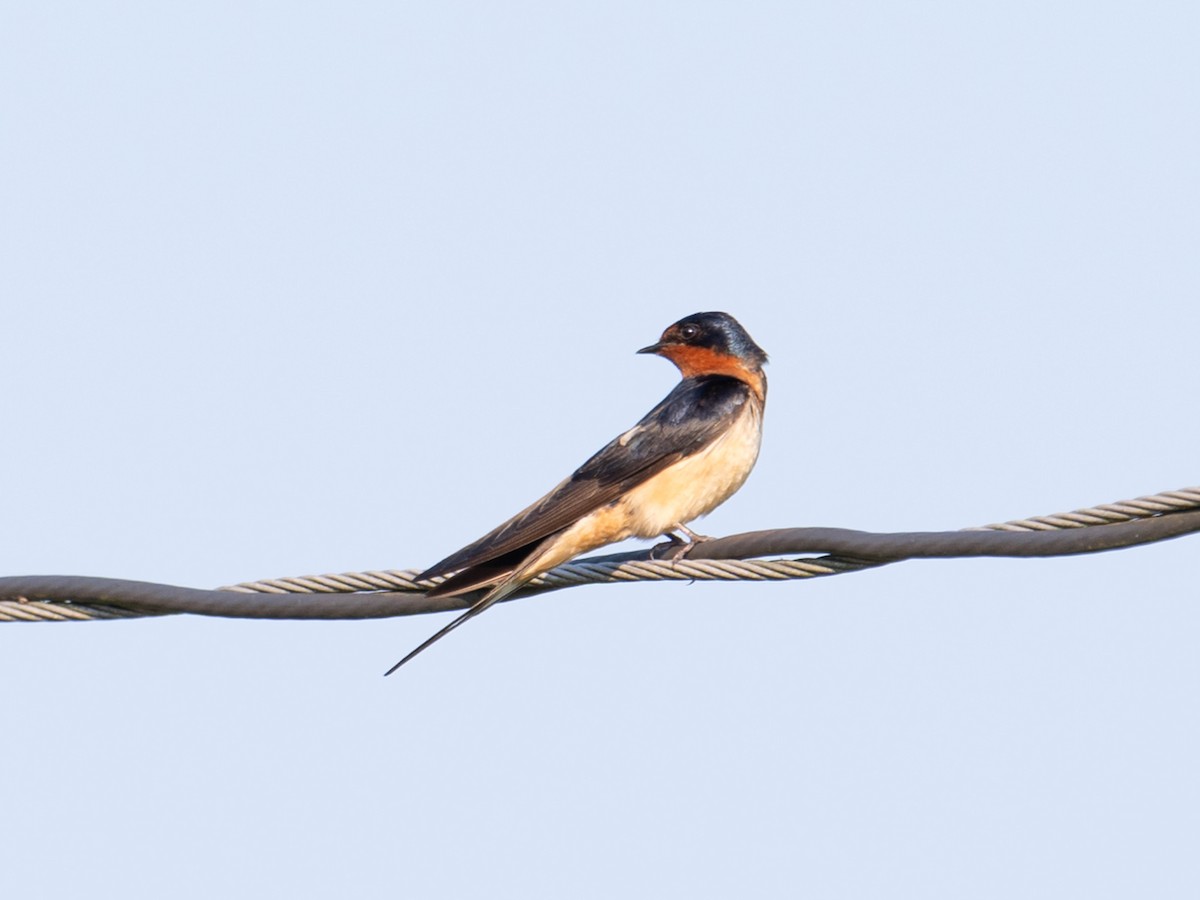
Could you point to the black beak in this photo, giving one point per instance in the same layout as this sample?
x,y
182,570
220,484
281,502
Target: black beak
x,y
653,348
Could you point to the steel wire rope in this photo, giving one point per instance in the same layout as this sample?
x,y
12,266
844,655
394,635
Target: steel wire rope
x,y
386,593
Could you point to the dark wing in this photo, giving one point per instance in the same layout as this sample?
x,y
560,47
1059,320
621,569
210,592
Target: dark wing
x,y
688,419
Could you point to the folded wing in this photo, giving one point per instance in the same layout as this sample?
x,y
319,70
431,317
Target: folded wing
x,y
688,419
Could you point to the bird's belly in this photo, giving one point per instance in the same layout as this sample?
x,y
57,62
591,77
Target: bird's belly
x,y
699,483
688,489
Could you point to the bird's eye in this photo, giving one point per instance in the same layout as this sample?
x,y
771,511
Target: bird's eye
x,y
689,332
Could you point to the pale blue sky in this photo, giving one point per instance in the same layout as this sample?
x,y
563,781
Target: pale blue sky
x,y
296,288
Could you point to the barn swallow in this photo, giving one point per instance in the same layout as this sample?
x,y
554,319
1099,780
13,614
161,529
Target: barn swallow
x,y
683,459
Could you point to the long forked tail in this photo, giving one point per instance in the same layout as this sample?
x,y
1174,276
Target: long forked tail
x,y
499,592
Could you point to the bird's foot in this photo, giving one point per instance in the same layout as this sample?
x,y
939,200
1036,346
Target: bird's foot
x,y
675,547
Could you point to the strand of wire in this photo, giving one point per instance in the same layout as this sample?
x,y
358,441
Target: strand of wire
x,y
620,568
607,571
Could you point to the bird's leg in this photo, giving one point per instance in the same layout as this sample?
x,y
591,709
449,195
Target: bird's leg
x,y
692,537
670,548
678,548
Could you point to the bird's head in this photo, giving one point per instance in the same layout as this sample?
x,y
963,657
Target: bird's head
x,y
711,343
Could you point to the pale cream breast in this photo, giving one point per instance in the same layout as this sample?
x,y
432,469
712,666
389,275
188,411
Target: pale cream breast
x,y
687,490
700,483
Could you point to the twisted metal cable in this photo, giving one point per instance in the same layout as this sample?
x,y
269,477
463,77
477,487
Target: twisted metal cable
x,y
1107,513
27,610
377,594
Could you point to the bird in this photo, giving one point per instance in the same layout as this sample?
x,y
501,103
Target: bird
x,y
685,457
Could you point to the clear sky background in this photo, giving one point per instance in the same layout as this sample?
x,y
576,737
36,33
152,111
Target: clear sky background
x,y
299,288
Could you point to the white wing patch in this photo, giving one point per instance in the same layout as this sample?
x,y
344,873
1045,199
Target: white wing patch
x,y
628,436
